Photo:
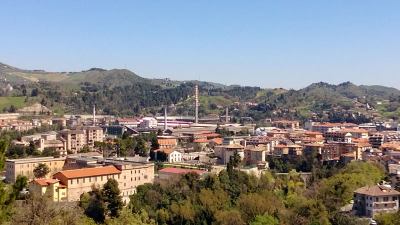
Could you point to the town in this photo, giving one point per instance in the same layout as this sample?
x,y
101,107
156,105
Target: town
x,y
199,112
64,157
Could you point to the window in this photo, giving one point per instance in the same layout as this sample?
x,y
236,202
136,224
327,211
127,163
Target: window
x,y
72,181
77,181
84,180
394,198
385,199
90,179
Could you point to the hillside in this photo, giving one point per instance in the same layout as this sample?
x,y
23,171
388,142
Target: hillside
x,y
122,92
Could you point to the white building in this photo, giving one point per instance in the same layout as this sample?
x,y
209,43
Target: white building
x,y
148,122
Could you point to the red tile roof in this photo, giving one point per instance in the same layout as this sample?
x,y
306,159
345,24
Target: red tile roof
x,y
88,172
45,181
200,141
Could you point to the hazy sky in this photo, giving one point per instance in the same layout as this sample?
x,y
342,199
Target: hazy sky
x,y
260,43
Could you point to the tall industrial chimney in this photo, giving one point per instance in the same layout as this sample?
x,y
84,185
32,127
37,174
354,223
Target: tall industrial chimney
x,y
165,118
226,115
196,98
94,115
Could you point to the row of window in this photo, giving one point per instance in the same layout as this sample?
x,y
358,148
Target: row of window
x,y
94,179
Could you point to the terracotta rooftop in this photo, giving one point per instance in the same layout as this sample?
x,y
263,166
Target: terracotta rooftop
x,y
377,190
88,172
234,146
201,140
217,141
45,181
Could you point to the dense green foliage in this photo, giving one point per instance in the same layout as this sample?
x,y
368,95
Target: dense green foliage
x,y
234,197
102,203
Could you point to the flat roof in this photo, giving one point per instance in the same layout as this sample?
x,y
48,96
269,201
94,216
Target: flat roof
x,y
37,159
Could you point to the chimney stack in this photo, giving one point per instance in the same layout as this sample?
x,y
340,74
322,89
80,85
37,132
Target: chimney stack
x,y
226,115
196,97
94,115
165,118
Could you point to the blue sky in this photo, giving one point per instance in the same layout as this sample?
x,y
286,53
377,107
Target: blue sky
x,y
286,44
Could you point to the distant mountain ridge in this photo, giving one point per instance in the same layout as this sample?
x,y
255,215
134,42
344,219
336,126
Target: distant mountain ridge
x,y
98,76
123,91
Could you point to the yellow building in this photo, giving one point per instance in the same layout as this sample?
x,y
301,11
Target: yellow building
x,y
50,188
24,167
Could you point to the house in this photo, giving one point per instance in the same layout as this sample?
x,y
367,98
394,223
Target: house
x,y
224,152
167,142
255,154
173,155
372,200
51,188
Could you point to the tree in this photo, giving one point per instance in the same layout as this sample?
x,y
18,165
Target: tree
x,y
51,152
6,203
12,109
112,198
255,204
20,183
93,205
3,150
230,217
41,170
38,210
84,149
128,218
34,92
388,218
141,148
154,142
265,220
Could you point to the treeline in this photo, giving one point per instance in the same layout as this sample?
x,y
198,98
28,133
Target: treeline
x,y
235,198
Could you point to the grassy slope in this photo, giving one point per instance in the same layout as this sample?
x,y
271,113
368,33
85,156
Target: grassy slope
x,y
18,102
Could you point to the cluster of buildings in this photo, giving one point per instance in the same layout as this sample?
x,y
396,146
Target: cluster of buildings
x,y
74,175
187,144
65,141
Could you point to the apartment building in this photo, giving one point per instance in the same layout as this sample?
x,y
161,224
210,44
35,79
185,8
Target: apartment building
x,y
75,139
340,135
286,124
25,167
372,200
79,137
